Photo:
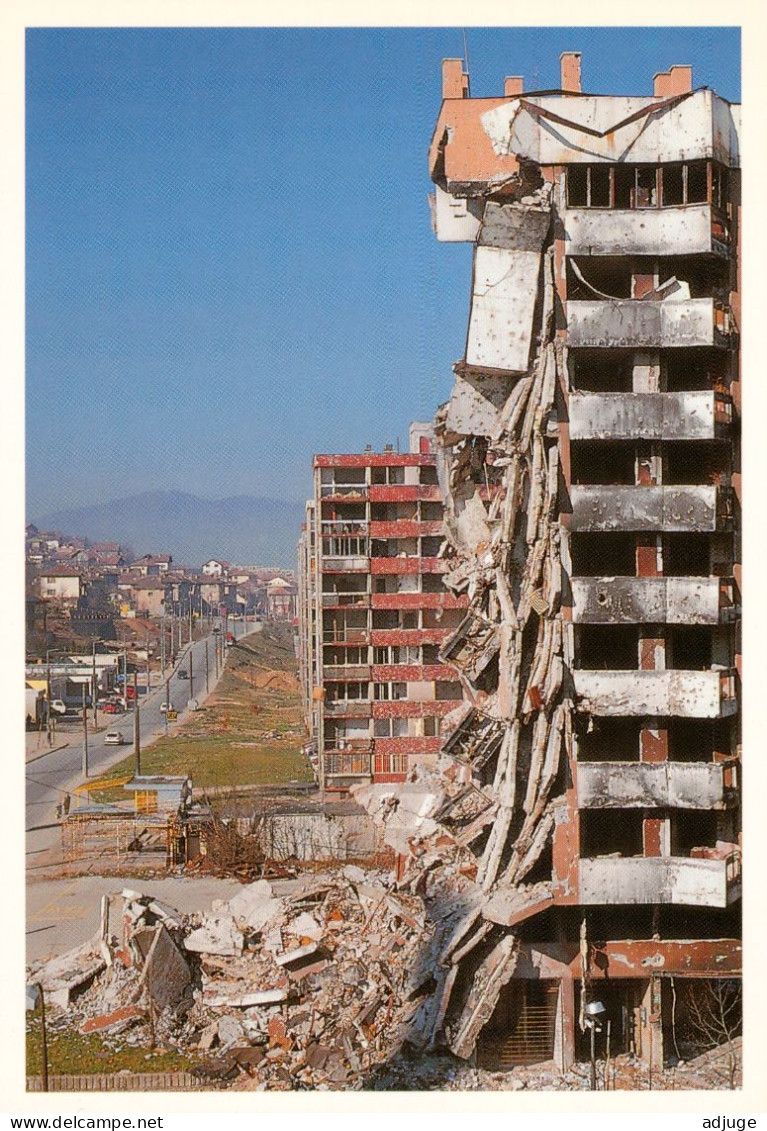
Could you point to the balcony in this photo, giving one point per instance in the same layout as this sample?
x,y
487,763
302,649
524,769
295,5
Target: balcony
x,y
348,708
699,508
679,694
339,599
351,563
406,528
647,785
343,491
697,415
409,564
345,763
653,600
680,880
346,671
641,323
691,229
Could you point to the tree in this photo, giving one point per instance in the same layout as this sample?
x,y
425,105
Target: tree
x,y
713,1018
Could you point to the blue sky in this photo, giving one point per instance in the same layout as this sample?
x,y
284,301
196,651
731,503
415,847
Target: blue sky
x,y
229,259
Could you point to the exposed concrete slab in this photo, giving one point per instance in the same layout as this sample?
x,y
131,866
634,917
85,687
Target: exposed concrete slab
x,y
166,972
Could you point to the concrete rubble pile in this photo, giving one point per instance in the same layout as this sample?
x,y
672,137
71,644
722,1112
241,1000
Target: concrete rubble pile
x,y
306,983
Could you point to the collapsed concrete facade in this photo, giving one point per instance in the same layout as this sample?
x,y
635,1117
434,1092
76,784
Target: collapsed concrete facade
x,y
373,613
589,465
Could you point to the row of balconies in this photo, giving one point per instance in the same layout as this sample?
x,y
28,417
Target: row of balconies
x,y
696,415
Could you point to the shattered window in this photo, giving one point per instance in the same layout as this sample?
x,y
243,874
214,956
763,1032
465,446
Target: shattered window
x,y
646,187
673,185
599,195
697,182
623,180
577,186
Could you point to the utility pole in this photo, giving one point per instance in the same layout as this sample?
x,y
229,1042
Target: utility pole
x,y
136,729
207,669
94,691
48,698
191,673
44,1036
85,736
167,704
162,645
172,631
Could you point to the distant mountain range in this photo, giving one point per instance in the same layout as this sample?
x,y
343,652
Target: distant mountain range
x,y
242,529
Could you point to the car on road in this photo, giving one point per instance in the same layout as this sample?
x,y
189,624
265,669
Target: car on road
x,y
113,738
165,707
183,674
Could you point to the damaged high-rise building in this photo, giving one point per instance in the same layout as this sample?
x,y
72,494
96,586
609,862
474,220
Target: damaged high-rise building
x,y
588,459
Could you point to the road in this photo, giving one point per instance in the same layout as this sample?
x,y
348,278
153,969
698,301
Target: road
x,y
53,774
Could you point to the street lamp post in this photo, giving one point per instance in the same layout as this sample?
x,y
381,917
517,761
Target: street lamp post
x,y
594,1011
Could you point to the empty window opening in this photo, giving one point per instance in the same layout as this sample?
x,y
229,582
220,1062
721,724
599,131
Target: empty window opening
x,y
449,690
385,619
602,372
429,476
690,370
611,832
623,182
603,555
609,740
646,187
688,647
602,462
691,740
430,547
686,555
673,185
697,182
431,583
622,999
691,829
592,279
607,647
697,463
431,512
578,186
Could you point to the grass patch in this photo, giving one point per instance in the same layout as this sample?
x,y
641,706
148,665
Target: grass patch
x,y
72,1054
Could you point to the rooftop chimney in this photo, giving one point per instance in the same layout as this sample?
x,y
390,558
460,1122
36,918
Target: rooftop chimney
x,y
455,84
512,86
677,80
570,71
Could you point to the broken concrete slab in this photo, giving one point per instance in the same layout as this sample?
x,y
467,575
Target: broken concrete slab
x,y
166,973
115,1022
217,935
295,955
244,1001
64,977
254,906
